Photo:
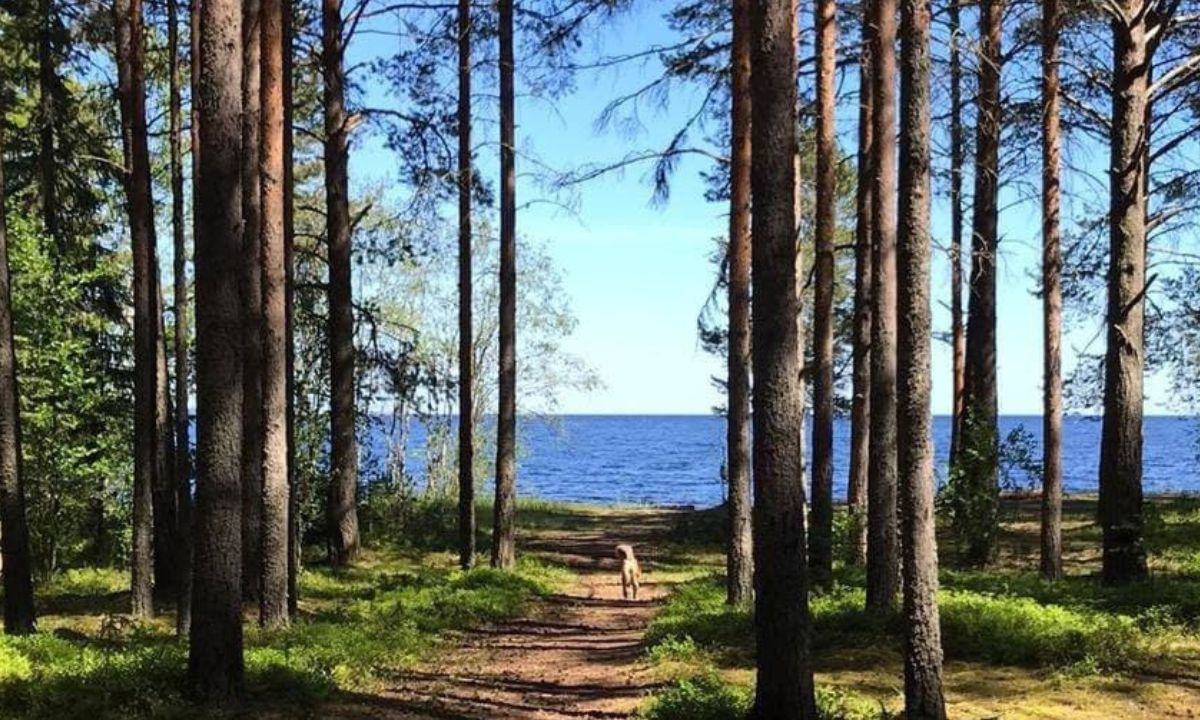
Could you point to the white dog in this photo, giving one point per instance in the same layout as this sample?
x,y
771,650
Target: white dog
x,y
631,571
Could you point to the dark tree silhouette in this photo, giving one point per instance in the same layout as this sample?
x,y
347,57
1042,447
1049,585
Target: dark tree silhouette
x,y
958,337
504,538
820,548
165,516
466,355
182,471
19,614
977,459
860,409
740,559
342,507
131,89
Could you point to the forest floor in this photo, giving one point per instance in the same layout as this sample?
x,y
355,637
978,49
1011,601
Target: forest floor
x,y
1017,648
578,653
404,635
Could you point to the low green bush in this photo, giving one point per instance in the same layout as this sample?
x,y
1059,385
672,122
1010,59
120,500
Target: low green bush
x,y
997,629
373,622
696,610
704,697
708,697
1020,631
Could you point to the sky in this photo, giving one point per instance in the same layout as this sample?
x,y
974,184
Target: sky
x,y
638,273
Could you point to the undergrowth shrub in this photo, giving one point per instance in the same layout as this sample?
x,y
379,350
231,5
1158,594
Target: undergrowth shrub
x,y
1019,631
992,628
696,610
370,623
708,697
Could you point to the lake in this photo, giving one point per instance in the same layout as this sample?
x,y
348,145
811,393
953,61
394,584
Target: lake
x,y
676,459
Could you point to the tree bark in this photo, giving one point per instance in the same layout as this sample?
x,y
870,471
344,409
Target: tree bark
x,y
784,689
739,561
1121,437
140,212
466,365
183,465
289,241
20,617
183,624
215,664
820,548
273,580
977,453
504,540
165,515
342,507
923,696
958,337
860,409
883,555
252,304
1051,565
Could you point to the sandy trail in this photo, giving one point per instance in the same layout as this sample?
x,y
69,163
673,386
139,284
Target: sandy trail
x,y
577,654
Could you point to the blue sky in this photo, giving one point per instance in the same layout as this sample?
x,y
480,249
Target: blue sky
x,y
638,274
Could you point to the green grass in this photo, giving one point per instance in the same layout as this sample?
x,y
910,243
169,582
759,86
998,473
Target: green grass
x,y
367,623
1001,625
996,629
707,696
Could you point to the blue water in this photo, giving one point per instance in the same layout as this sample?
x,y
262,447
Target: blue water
x,y
676,460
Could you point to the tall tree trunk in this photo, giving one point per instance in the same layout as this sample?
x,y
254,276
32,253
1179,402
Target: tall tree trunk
x,y
923,697
273,581
740,560
165,515
289,241
19,614
466,365
883,555
1121,436
183,465
1051,302
820,548
504,532
958,337
252,305
47,162
785,684
977,451
343,485
860,409
215,664
140,212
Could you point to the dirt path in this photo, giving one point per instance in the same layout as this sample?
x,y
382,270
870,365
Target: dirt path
x,y
576,655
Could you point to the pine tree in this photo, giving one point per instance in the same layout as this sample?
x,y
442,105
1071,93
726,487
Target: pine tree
x,y
740,559
784,688
216,670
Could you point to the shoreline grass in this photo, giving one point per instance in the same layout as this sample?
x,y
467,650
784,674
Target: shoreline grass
x,y
1015,645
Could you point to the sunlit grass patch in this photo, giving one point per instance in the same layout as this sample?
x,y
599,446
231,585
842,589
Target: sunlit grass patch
x,y
85,581
362,624
998,629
